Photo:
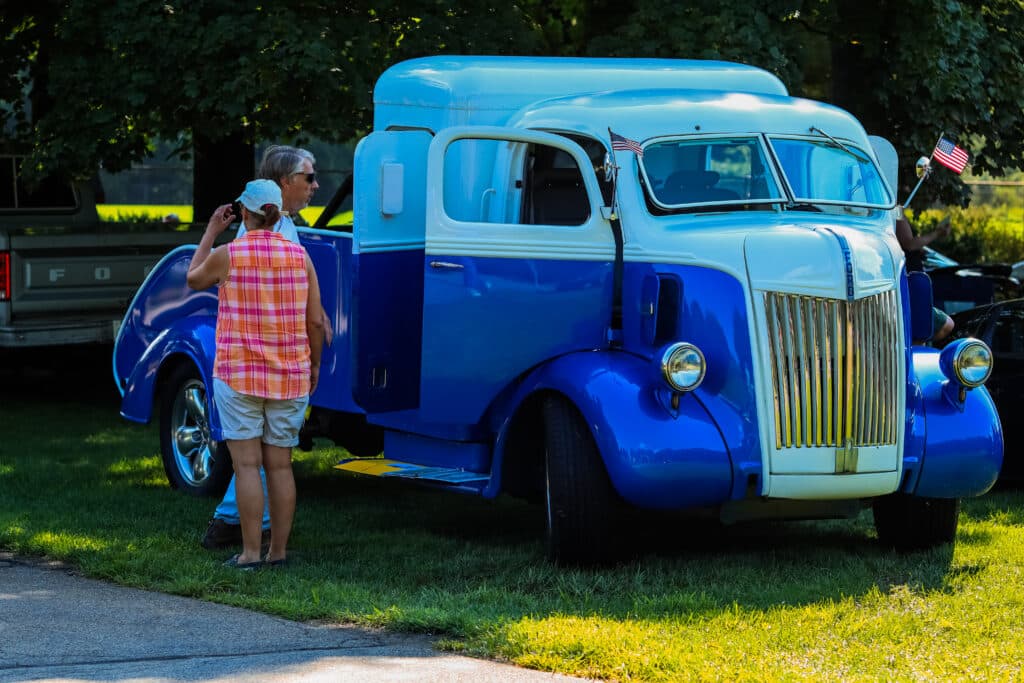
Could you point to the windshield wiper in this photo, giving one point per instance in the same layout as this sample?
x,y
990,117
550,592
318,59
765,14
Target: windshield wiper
x,y
840,145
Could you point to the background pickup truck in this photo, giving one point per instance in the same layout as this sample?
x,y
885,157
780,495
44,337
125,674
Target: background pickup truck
x,y
66,277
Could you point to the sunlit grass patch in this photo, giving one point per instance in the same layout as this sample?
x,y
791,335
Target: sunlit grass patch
x,y
107,437
65,544
144,212
142,471
184,214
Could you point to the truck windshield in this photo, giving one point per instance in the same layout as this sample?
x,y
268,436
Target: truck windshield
x,y
824,172
705,171
714,173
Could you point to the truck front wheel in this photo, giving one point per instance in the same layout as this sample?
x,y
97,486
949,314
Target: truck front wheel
x,y
578,495
914,523
194,463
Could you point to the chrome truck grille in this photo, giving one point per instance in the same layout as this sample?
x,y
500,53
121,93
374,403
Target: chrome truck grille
x,y
835,369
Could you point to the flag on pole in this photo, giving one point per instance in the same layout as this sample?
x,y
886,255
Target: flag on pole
x,y
621,143
950,155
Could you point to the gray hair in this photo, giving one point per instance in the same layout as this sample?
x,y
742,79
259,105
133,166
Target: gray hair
x,y
282,160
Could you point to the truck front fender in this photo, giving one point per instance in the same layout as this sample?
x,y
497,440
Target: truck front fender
x,y
963,444
657,456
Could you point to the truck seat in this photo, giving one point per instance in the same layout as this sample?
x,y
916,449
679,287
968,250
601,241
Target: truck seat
x,y
691,187
559,197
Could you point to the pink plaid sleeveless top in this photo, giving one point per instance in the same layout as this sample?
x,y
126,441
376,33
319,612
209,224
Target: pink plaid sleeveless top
x,y
262,343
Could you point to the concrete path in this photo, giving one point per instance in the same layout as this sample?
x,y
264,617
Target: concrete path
x,y
57,626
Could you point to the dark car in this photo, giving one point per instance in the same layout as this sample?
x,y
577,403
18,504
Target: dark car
x,y
1001,326
986,301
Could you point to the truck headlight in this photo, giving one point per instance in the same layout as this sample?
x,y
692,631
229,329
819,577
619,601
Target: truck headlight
x,y
968,361
682,365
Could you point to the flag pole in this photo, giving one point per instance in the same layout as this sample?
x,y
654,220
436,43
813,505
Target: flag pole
x,y
615,177
924,176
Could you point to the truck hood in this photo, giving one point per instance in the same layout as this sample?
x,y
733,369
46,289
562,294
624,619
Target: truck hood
x,y
827,261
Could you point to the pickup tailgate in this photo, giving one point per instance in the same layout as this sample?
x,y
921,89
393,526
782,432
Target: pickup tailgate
x,y
72,284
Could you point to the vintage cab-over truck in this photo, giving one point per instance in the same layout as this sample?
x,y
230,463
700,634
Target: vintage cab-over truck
x,y
709,313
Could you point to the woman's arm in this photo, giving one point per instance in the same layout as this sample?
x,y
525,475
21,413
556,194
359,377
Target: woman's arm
x,y
314,324
209,266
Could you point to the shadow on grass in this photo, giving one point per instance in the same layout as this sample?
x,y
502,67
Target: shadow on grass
x,y
83,485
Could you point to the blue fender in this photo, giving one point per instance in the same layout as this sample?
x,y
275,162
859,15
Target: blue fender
x,y
166,321
163,297
962,441
656,456
191,338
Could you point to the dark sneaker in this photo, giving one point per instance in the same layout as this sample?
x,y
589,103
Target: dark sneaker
x,y
220,534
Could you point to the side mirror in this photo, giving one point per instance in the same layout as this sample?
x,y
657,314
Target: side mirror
x,y
609,168
923,167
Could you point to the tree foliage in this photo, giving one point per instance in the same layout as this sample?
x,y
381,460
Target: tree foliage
x,y
908,69
106,79
119,75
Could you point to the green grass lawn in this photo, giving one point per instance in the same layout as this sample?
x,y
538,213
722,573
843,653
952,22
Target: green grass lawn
x,y
811,601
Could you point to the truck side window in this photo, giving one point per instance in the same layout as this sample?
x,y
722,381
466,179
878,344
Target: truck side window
x,y
537,185
7,183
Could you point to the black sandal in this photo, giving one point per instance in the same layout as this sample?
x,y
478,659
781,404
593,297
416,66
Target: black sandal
x,y
246,566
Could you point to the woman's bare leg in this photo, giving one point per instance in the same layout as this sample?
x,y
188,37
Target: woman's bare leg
x,y
246,455
277,463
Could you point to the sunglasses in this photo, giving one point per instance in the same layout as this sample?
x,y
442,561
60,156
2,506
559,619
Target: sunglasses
x,y
310,177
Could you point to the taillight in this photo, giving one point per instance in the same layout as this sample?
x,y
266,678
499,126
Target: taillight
x,y
5,275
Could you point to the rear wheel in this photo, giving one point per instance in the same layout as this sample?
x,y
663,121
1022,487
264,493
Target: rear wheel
x,y
194,463
914,523
578,495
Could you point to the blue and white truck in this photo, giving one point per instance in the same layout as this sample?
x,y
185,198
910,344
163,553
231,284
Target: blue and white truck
x,y
710,314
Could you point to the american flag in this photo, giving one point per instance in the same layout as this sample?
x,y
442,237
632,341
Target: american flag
x,y
950,155
621,143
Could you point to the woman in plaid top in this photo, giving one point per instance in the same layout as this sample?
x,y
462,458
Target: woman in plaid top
x,y
269,339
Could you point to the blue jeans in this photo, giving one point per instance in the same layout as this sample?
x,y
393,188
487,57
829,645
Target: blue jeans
x,y
227,511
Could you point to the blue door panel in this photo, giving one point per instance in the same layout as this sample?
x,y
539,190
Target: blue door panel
x,y
492,319
386,342
389,229
331,254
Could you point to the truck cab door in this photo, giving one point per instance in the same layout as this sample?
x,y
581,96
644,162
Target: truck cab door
x,y
390,188
518,264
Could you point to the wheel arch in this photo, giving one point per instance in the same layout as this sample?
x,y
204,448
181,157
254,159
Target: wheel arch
x,y
518,464
520,453
189,340
654,458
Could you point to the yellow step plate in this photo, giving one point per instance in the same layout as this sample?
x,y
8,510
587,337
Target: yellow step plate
x,y
379,467
375,467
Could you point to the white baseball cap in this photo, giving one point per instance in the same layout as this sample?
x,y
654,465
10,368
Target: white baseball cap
x,y
259,193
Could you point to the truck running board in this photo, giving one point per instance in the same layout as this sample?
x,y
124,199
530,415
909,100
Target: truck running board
x,y
379,467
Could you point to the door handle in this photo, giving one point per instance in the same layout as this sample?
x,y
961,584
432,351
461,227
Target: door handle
x,y
446,265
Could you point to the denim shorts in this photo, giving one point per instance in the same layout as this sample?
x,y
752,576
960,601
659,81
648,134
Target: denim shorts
x,y
274,421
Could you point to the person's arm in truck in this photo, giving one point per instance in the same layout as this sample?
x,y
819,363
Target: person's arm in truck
x,y
314,325
209,266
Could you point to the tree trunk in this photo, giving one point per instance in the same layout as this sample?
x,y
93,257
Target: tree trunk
x,y
220,171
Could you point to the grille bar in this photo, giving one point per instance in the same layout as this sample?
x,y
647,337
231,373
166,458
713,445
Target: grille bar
x,y
834,369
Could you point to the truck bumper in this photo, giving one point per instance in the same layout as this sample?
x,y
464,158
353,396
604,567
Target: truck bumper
x,y
44,333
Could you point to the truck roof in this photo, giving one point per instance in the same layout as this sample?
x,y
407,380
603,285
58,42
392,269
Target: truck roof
x,y
435,92
640,115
